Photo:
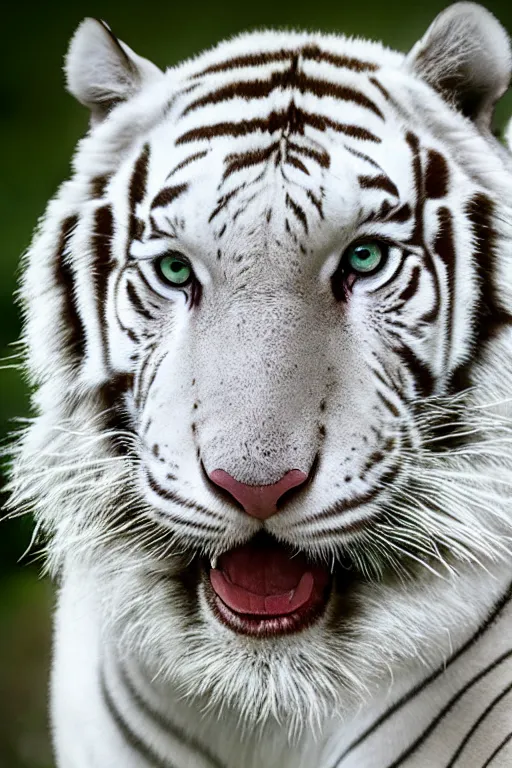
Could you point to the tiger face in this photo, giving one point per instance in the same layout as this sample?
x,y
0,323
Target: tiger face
x,y
282,273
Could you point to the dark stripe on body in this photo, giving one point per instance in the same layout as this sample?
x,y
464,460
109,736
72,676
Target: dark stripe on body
x,y
498,749
99,185
436,175
407,697
490,316
133,739
423,379
71,320
114,412
417,237
139,178
136,301
480,211
446,709
102,265
166,724
136,192
414,146
445,248
411,288
494,703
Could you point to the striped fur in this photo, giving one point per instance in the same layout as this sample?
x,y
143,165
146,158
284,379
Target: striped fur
x,y
261,161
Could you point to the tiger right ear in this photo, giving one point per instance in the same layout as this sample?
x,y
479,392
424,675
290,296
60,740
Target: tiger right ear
x,y
465,55
102,71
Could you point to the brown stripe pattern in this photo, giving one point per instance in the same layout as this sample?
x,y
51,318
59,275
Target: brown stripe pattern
x,y
293,119
291,80
71,320
102,266
309,52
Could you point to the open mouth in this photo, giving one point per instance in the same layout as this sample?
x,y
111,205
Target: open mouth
x,y
264,588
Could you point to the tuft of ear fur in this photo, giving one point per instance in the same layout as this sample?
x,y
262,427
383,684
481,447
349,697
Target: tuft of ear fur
x,y
101,71
465,55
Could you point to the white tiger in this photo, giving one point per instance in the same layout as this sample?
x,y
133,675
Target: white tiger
x,y
268,324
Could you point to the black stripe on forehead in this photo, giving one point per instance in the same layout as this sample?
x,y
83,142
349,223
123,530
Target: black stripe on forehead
x,y
291,79
168,195
297,209
309,52
382,182
292,119
278,153
188,160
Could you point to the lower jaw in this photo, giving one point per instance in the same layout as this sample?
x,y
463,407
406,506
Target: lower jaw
x,y
268,626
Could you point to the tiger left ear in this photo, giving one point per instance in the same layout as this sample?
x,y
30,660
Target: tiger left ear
x,y
465,55
102,71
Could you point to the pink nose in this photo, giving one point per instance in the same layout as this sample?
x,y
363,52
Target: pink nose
x,y
258,500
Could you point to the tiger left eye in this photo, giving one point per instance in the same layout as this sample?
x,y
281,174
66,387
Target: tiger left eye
x,y
361,259
365,258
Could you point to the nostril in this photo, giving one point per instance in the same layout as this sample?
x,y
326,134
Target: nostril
x,y
287,495
258,500
219,489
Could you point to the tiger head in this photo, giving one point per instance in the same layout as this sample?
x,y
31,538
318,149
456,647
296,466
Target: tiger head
x,y
268,321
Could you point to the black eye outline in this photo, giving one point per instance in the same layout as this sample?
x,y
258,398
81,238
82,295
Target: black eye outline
x,y
163,279
345,275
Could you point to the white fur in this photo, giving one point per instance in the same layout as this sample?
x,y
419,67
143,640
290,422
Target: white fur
x,y
262,360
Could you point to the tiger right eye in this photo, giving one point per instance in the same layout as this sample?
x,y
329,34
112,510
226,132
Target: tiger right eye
x,y
173,270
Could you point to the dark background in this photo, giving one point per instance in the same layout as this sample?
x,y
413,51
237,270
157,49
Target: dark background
x,y
39,126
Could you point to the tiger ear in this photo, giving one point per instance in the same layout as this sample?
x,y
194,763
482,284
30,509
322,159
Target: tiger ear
x,y
102,71
465,55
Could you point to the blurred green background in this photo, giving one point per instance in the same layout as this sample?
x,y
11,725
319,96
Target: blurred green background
x,y
39,126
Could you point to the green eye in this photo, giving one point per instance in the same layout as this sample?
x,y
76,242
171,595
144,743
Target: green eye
x,y
365,257
173,269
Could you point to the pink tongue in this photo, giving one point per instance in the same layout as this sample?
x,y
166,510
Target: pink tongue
x,y
262,578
